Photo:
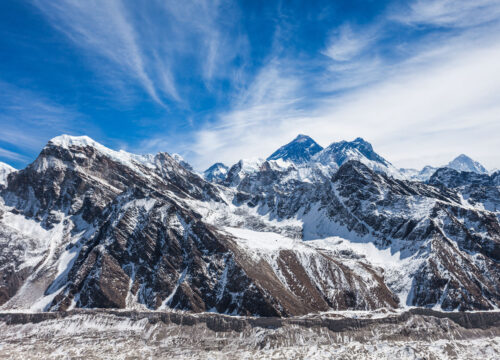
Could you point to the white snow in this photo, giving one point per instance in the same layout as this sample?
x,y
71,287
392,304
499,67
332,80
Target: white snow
x,y
267,241
398,269
5,169
121,156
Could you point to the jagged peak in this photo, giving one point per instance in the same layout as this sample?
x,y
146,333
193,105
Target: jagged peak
x,y
182,161
216,172
299,150
341,148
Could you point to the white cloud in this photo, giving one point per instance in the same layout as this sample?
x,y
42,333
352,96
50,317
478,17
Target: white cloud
x,y
450,13
345,44
7,154
264,107
104,27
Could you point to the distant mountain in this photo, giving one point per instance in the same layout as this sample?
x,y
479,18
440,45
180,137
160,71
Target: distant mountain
x,y
299,150
460,163
340,152
465,163
216,173
5,169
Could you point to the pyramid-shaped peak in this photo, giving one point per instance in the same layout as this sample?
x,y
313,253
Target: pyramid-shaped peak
x,y
464,163
299,150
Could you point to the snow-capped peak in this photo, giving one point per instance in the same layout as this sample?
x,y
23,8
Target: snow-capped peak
x,y
216,172
67,141
5,169
299,150
465,163
126,158
340,152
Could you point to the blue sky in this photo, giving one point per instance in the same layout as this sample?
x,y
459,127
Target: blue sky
x,y
224,80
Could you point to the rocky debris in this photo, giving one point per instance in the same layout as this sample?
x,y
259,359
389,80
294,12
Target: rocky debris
x,y
108,333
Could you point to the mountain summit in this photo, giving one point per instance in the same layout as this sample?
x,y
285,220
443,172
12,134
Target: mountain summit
x,y
299,150
340,152
216,172
465,163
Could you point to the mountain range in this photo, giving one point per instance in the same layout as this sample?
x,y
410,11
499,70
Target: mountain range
x,y
304,152
305,231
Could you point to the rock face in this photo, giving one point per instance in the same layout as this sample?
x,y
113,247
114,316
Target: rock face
x,y
88,227
477,190
182,162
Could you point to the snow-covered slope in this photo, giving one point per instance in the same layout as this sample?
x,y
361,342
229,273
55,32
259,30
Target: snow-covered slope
x,y
5,169
299,150
419,175
465,163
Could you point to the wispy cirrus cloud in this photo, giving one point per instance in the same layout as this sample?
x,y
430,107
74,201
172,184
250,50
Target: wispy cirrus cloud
x,y
449,13
149,43
103,28
344,43
11,155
